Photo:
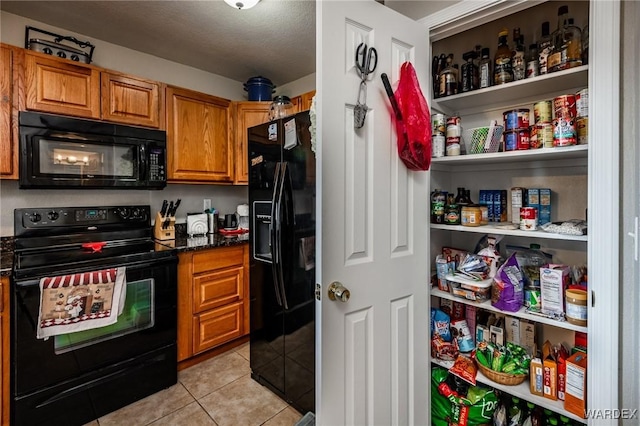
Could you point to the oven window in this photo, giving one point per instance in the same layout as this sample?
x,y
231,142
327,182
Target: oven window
x,y
138,314
82,158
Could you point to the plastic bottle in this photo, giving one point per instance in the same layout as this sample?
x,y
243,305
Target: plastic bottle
x,y
485,70
515,412
502,71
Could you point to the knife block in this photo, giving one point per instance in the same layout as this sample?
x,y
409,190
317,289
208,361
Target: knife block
x,y
169,233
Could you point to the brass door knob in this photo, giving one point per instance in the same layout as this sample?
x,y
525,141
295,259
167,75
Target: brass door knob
x,y
338,292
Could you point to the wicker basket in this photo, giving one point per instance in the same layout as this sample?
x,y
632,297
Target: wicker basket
x,y
502,378
478,141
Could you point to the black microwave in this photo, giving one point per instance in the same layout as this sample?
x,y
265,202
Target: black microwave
x,y
64,152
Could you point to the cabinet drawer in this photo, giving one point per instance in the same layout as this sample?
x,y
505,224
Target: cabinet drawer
x,y
217,326
217,288
217,258
62,87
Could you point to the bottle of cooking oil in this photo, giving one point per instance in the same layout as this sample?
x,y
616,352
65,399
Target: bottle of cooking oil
x,y
567,39
502,65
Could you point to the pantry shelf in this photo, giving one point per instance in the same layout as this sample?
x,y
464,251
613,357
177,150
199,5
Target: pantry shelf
x,y
497,230
522,391
509,157
522,313
516,92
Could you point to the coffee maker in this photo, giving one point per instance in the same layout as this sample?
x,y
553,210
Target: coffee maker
x,y
243,216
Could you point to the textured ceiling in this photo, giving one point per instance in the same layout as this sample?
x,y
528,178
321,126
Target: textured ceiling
x,y
274,39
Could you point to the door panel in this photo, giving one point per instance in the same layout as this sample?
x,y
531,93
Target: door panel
x,y
373,236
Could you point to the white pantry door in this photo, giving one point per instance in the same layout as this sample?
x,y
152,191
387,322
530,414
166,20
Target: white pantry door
x,y
372,366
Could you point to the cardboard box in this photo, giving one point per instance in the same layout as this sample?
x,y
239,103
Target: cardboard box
x,y
544,211
533,199
497,335
471,316
482,334
499,205
576,393
553,281
536,377
528,337
518,198
549,373
513,330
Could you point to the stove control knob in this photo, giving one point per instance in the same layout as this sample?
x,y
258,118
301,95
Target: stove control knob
x,y
53,215
35,217
123,212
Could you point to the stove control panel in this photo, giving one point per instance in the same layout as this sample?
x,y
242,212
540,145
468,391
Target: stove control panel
x,y
61,217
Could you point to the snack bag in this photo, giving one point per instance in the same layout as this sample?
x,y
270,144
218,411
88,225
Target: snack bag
x,y
507,291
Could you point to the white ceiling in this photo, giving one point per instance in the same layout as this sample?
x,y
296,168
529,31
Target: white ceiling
x,y
274,39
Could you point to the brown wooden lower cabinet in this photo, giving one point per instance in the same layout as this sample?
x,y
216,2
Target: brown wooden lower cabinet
x,y
4,354
213,298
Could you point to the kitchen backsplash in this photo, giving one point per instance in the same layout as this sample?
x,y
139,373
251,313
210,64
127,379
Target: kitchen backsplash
x,y
223,198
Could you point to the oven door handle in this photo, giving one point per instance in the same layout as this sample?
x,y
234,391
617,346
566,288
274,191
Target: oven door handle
x,y
272,232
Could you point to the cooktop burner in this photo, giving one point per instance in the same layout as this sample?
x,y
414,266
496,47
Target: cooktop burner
x,y
50,239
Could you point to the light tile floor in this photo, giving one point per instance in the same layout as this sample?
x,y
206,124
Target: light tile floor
x,y
217,392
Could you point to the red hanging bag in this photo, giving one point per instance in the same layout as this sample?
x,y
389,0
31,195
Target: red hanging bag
x,y
412,119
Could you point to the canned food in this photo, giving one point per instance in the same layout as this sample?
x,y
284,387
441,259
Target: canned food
x,y
453,127
437,146
532,298
542,112
544,133
516,140
582,130
564,106
582,103
533,138
438,124
453,146
564,131
516,119
528,218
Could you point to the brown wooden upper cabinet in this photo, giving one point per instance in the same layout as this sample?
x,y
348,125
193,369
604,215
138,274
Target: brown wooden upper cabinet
x,y
131,100
303,102
199,137
248,114
61,86
8,124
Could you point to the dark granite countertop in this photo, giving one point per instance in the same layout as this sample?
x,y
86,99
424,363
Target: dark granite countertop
x,y
6,256
185,243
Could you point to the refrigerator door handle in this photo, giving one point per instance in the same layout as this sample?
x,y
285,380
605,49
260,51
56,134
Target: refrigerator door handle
x,y
283,177
272,233
287,188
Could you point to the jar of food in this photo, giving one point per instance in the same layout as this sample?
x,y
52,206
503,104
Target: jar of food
x,y
471,215
576,303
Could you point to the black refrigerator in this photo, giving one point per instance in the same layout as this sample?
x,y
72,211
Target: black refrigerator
x,y
282,201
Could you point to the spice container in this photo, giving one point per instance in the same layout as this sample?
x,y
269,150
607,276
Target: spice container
x,y
471,215
576,302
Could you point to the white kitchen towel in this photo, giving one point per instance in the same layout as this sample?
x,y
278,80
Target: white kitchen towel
x,y
77,302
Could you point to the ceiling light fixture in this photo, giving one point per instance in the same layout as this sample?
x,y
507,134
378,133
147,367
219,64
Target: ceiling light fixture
x,y
241,4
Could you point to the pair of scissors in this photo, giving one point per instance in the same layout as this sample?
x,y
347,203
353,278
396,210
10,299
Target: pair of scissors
x,y
364,56
366,63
